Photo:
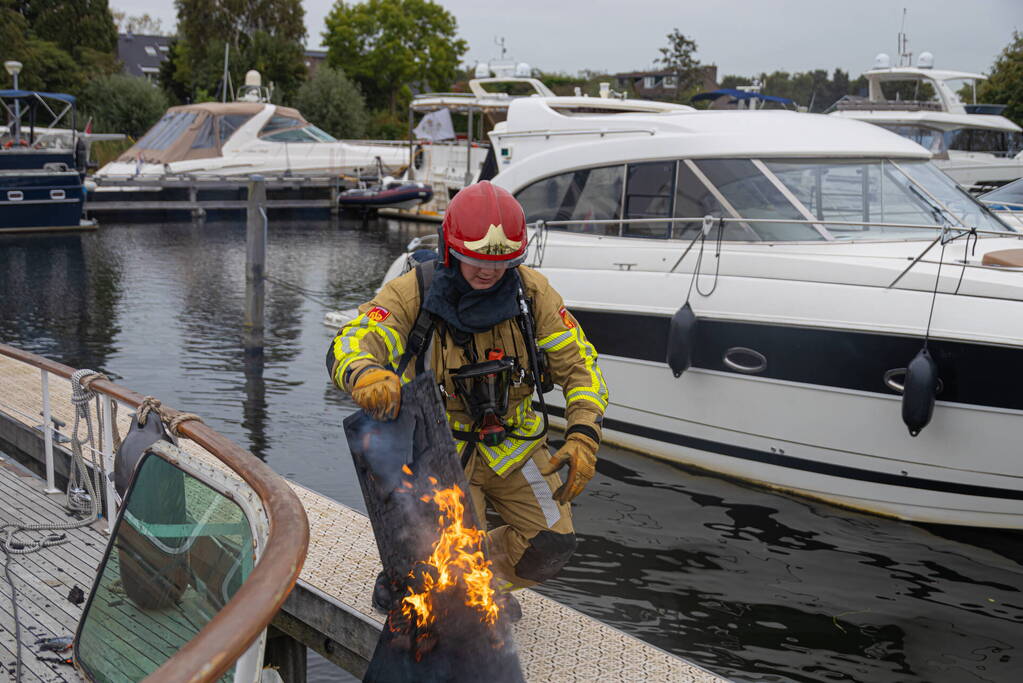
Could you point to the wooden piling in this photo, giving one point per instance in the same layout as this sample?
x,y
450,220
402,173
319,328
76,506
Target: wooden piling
x,y
255,263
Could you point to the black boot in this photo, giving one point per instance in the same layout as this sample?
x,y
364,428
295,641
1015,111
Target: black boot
x,y
383,594
509,605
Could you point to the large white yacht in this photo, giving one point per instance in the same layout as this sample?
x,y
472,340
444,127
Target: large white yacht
x,y
973,143
448,160
818,257
247,136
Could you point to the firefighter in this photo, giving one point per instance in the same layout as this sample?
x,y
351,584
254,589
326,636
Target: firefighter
x,y
495,333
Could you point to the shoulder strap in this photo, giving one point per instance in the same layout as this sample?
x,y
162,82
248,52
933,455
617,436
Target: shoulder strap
x,y
423,327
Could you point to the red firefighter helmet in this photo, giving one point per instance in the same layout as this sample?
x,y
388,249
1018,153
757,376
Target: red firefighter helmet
x,y
484,225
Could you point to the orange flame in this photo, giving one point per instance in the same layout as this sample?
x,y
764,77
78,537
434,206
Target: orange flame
x,y
457,558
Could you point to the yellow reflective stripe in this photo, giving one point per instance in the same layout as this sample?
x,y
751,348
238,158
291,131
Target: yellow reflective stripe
x,y
510,451
347,346
596,392
343,366
555,341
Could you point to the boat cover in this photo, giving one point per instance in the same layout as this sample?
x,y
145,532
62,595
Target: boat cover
x,y
197,131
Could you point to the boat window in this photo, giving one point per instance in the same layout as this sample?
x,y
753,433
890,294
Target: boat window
x,y
693,199
584,195
167,130
204,137
229,123
279,123
868,192
320,135
753,195
649,193
966,209
293,135
179,552
998,142
930,139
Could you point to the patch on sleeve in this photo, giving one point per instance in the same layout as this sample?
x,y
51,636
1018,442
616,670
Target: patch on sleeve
x,y
566,317
378,314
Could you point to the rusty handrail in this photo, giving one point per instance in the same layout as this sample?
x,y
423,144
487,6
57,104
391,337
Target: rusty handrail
x,y
236,626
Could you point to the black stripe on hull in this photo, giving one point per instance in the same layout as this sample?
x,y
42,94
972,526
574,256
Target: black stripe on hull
x,y
802,464
974,374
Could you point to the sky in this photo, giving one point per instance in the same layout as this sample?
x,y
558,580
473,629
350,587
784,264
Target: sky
x,y
743,37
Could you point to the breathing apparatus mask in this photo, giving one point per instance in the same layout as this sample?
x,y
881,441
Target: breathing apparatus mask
x,y
483,388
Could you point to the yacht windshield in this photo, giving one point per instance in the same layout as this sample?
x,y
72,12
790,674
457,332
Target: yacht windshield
x,y
878,199
307,133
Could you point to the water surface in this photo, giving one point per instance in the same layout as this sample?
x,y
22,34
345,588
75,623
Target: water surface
x,y
755,585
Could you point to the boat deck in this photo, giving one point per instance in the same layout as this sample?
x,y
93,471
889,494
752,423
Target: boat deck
x,y
330,609
43,579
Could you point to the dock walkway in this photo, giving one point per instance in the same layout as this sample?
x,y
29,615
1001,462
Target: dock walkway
x,y
329,609
43,579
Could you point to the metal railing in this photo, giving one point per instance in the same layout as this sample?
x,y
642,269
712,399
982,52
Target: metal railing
x,y
240,622
541,224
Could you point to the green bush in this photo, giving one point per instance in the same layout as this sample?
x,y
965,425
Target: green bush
x,y
122,104
384,125
334,103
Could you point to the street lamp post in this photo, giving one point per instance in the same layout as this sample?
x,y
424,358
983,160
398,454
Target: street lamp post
x,y
14,68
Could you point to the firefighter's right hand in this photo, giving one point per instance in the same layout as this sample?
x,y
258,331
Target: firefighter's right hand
x,y
378,392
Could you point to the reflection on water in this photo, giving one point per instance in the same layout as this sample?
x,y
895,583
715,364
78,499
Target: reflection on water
x,y
752,584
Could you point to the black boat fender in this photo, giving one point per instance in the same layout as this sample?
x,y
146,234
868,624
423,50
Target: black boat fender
x,y
919,391
139,438
681,339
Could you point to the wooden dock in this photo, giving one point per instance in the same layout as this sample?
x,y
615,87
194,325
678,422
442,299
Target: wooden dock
x,y
43,579
329,609
198,195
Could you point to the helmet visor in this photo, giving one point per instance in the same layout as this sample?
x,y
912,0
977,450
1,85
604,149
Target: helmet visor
x,y
492,264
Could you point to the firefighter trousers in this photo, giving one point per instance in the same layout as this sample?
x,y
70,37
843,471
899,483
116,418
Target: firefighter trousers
x,y
537,537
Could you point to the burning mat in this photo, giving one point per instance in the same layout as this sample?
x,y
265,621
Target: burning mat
x,y
446,625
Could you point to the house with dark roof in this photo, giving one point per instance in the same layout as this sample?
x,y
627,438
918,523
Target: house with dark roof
x,y
661,84
142,55
313,59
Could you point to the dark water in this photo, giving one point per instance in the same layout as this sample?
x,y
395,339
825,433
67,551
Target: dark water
x,y
754,585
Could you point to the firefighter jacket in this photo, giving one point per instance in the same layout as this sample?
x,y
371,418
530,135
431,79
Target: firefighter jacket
x,y
378,337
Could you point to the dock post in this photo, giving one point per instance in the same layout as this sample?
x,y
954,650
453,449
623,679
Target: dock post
x,y
255,263
335,193
285,654
51,486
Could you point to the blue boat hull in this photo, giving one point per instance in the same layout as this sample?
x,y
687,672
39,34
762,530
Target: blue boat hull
x,y
41,199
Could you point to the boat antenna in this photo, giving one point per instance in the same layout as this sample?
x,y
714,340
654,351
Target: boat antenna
x,y
226,78
500,43
905,56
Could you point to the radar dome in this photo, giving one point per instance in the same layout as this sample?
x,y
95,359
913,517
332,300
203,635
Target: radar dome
x,y
882,61
925,60
522,70
482,70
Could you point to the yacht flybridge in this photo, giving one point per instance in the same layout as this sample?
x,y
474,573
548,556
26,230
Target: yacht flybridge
x,y
758,283
448,160
973,143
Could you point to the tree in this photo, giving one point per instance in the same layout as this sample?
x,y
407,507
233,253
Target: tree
x,y
39,34
1005,84
678,58
331,101
265,35
386,44
122,104
73,24
143,25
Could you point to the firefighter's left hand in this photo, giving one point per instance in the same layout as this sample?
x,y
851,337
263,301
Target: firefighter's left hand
x,y
580,454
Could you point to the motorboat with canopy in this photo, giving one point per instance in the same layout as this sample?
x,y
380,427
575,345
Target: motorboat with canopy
x,y
241,138
798,300
972,142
